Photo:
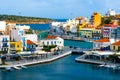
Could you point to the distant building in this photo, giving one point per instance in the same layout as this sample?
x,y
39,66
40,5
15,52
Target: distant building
x,y
31,45
53,40
2,26
114,31
115,46
118,33
16,34
32,37
106,31
86,33
9,27
56,28
23,27
111,12
97,34
96,19
71,25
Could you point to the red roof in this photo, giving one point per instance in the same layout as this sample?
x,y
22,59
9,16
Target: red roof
x,y
111,25
116,43
51,37
103,40
30,42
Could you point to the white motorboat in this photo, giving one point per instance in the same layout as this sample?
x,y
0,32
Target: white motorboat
x,y
15,67
23,66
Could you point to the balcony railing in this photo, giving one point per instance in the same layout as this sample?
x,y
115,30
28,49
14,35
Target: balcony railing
x,y
5,45
4,40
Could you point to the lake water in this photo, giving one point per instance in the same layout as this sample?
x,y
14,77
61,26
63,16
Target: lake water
x,y
80,44
63,69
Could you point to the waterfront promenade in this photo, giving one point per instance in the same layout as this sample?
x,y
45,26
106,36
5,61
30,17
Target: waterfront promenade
x,y
50,58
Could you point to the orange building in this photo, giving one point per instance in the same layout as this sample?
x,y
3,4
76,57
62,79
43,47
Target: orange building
x,y
96,19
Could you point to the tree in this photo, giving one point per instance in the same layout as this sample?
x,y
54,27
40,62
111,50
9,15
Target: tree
x,y
106,20
113,57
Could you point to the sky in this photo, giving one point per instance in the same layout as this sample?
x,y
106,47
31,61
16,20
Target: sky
x,y
57,9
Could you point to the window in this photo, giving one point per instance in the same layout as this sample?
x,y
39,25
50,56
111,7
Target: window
x,y
51,42
18,46
118,48
47,43
54,42
113,47
43,43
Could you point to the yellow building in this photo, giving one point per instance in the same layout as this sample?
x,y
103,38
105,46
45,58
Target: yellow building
x,y
96,19
16,46
81,26
115,46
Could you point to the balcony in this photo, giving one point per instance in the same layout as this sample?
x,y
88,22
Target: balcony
x,y
12,48
4,41
5,45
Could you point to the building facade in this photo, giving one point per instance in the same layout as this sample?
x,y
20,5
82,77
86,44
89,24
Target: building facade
x,y
86,33
4,43
16,46
96,19
118,32
102,44
53,40
97,34
106,31
115,46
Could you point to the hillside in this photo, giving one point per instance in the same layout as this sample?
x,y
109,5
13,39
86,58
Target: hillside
x,y
24,19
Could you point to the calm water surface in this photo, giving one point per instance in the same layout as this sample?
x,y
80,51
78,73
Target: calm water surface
x,y
62,69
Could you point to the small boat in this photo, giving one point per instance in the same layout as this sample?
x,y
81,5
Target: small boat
x,y
15,67
23,66
102,65
8,69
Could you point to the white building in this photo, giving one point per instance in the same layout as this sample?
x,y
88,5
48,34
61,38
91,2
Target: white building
x,y
56,27
16,34
102,43
32,37
53,40
72,25
4,43
23,27
2,25
111,12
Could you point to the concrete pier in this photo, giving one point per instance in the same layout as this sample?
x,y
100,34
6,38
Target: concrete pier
x,y
38,61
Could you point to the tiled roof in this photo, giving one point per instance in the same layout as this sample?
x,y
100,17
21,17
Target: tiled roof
x,y
116,43
103,40
30,42
51,37
111,25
